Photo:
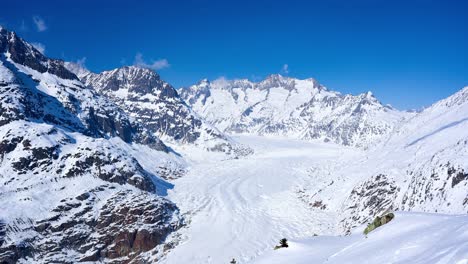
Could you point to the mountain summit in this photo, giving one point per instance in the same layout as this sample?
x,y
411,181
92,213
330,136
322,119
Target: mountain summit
x,y
285,106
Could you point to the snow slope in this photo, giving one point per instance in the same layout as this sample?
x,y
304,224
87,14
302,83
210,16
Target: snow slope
x,y
241,207
415,238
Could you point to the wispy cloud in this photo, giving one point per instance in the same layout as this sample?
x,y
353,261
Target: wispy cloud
x,y
221,81
39,46
154,65
77,67
2,23
285,69
40,23
23,26
81,62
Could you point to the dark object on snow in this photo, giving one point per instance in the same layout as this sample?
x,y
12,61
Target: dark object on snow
x,y
233,261
379,221
283,244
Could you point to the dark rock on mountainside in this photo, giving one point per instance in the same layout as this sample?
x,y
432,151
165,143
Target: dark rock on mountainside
x,y
127,224
25,54
369,199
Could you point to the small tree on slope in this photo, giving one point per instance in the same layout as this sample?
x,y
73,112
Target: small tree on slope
x,y
284,242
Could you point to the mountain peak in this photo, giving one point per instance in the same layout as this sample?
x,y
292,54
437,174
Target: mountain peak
x,y
274,76
22,52
203,84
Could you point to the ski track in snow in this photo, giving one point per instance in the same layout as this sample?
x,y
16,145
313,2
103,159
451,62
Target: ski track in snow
x,y
240,208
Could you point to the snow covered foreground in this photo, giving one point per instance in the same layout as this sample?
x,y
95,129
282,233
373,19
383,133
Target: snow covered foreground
x,y
417,238
240,208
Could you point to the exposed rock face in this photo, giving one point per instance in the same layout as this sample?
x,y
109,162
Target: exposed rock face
x,y
370,199
432,187
70,191
156,104
127,225
25,54
76,175
291,107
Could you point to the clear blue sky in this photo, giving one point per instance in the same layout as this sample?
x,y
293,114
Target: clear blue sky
x,y
409,53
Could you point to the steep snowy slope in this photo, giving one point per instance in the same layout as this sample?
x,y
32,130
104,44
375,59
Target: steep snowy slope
x,y
69,188
155,104
410,238
301,109
421,167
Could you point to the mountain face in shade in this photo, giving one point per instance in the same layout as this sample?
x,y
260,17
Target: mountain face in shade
x,y
66,179
290,107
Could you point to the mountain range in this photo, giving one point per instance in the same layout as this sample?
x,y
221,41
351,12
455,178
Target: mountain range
x,y
302,109
90,162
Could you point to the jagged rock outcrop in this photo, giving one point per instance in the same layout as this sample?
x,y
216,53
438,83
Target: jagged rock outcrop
x,y
369,199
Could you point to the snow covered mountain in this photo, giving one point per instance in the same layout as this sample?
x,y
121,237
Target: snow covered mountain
x,y
155,104
285,106
67,179
82,169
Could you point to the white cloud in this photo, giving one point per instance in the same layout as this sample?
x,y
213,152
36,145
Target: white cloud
x,y
220,82
40,23
285,69
154,65
81,62
77,67
39,46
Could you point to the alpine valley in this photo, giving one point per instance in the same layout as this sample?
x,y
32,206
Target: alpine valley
x,y
121,167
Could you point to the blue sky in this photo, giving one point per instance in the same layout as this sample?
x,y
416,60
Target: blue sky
x,y
409,53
